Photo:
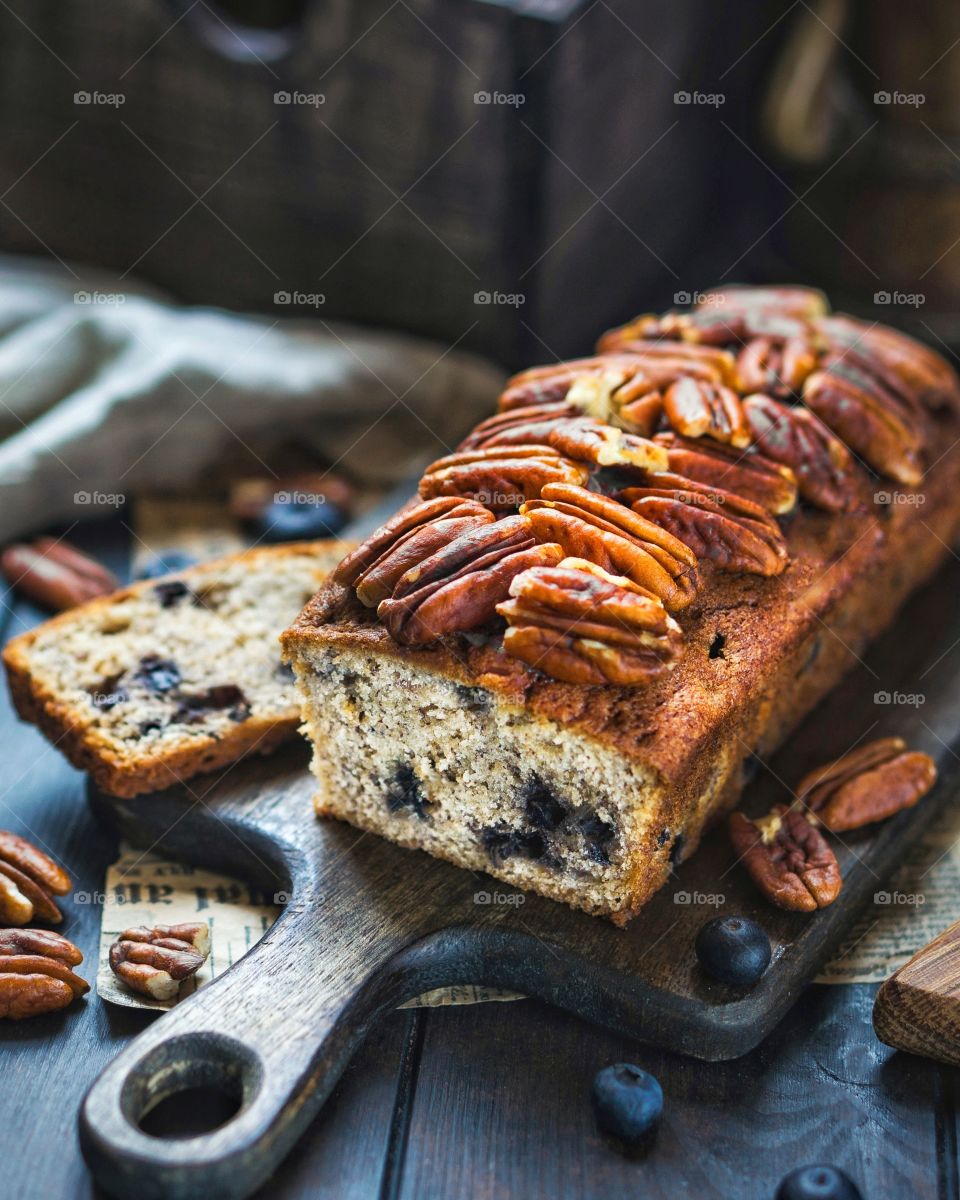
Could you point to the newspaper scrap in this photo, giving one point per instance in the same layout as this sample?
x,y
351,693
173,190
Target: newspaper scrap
x,y
907,912
145,889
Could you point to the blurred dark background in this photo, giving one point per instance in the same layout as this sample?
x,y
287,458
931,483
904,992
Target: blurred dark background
x,y
510,178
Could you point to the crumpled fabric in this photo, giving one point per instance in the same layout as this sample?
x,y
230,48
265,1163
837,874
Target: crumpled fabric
x,y
109,388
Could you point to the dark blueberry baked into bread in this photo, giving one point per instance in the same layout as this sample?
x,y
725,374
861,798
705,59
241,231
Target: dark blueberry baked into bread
x,y
558,664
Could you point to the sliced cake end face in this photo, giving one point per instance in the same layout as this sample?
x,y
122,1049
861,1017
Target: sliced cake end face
x,y
436,765
184,671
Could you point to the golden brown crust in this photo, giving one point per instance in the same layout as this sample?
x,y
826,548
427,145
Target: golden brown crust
x,y
88,748
788,640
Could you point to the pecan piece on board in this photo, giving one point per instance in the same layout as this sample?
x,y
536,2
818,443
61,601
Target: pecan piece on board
x,y
54,574
35,975
788,859
826,474
577,623
719,527
696,409
900,362
29,879
349,569
603,531
459,587
871,783
583,439
869,420
503,478
155,960
746,472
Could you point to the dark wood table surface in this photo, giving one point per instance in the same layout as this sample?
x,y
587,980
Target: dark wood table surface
x,y
488,1102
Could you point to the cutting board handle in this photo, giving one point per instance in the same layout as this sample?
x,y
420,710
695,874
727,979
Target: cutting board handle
x,y
275,1032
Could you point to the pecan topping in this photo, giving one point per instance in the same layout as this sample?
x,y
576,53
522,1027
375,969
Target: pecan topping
x,y
824,468
788,859
902,364
583,439
588,385
500,478
598,528
779,367
155,960
379,579
869,419
400,524
747,473
54,574
869,784
28,881
35,975
697,409
676,358
781,301
719,526
580,624
459,587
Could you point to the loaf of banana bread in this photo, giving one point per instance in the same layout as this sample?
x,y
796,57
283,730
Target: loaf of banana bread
x,y
173,676
646,568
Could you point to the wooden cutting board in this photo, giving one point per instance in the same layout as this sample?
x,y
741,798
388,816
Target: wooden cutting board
x,y
370,925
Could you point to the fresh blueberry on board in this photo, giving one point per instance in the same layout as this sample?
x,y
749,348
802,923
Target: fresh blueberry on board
x,y
627,1100
165,564
818,1183
734,950
292,521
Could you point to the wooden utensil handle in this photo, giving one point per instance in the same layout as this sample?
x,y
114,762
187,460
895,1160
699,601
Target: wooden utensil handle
x,y
275,1032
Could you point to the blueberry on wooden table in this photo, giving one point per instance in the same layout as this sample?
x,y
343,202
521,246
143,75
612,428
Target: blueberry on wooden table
x,y
734,950
818,1183
628,1101
293,520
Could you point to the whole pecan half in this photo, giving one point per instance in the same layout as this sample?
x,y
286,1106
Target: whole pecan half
x,y
459,587
28,881
380,578
577,623
719,527
583,439
605,532
155,960
788,859
412,517
500,478
679,359
54,574
826,473
902,364
696,409
35,975
869,784
747,473
869,419
780,301
766,364
589,385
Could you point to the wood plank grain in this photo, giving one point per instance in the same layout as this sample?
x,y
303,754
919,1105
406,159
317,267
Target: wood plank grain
x,y
503,1110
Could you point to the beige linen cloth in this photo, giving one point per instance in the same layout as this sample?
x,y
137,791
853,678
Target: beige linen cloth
x,y
109,388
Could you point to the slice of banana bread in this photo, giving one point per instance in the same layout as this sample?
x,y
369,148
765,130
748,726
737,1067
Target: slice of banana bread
x,y
175,676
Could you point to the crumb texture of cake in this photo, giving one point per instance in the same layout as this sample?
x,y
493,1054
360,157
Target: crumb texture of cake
x,y
481,784
171,676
